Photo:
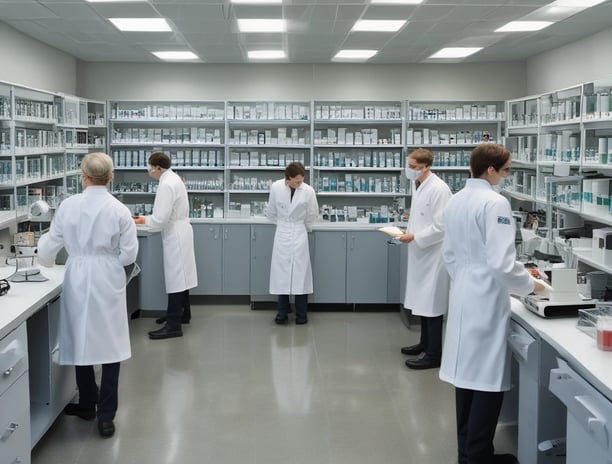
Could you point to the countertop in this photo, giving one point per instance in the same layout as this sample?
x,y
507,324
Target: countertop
x,y
577,348
25,298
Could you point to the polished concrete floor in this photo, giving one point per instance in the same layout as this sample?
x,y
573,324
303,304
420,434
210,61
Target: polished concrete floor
x,y
237,389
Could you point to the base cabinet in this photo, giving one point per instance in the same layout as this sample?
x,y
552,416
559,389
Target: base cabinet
x,y
329,267
152,287
366,267
222,259
52,385
14,397
262,241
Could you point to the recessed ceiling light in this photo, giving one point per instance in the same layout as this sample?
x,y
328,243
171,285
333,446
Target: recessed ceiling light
x,y
256,1
178,55
267,54
141,24
354,55
518,26
455,52
379,25
262,25
398,2
577,3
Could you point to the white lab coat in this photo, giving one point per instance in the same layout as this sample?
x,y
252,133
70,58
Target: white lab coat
x,y
171,216
290,270
427,281
480,256
99,235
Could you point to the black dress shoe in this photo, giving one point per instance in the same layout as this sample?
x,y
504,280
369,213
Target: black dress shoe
x,y
84,411
165,332
301,320
162,320
106,428
412,350
281,320
505,459
426,362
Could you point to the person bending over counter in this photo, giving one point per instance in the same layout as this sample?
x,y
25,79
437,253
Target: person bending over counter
x,y
480,256
99,236
171,216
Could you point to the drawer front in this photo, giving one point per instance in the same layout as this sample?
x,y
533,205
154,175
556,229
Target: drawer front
x,y
15,423
13,357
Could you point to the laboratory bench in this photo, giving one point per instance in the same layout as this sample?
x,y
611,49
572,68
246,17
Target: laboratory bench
x,y
565,389
352,263
34,388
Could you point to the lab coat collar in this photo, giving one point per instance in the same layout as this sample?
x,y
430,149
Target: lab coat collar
x,y
479,184
93,189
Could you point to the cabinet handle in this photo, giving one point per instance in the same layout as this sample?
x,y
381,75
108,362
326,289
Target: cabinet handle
x,y
17,461
352,242
9,431
8,371
225,233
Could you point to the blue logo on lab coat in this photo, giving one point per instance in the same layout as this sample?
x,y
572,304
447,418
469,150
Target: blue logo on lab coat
x,y
503,220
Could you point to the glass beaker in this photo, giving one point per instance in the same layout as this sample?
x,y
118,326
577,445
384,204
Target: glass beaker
x,y
604,333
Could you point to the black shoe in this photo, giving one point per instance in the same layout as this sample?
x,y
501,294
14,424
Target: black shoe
x,y
412,350
281,320
83,411
165,332
106,428
162,320
301,320
426,362
505,459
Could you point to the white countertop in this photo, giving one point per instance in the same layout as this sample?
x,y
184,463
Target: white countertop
x,y
577,348
25,298
320,225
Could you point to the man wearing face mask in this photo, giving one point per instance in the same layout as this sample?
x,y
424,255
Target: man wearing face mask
x,y
427,281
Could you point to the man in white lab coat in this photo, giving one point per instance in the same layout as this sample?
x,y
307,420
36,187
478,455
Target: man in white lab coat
x,y
171,216
480,256
293,207
99,236
427,281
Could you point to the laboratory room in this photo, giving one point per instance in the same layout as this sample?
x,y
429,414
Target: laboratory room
x,y
306,231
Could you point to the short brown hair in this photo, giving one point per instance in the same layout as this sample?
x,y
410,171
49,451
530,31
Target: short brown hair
x,y
485,155
422,156
159,158
294,169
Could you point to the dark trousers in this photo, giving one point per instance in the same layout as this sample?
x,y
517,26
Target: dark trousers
x,y
431,335
178,309
301,306
477,415
107,397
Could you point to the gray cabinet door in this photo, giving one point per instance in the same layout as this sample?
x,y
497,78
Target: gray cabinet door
x,y
236,259
395,251
152,287
329,267
209,259
366,264
262,240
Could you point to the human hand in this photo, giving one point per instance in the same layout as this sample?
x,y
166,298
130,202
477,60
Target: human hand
x,y
406,238
139,220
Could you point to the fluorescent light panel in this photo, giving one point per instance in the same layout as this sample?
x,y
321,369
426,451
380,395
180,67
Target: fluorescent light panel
x,y
355,54
262,25
524,26
267,54
455,52
176,55
577,3
141,24
378,25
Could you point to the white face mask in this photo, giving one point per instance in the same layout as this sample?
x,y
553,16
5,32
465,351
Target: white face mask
x,y
412,174
500,186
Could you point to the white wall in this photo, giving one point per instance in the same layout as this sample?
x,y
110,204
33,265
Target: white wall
x,y
31,63
582,61
478,81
